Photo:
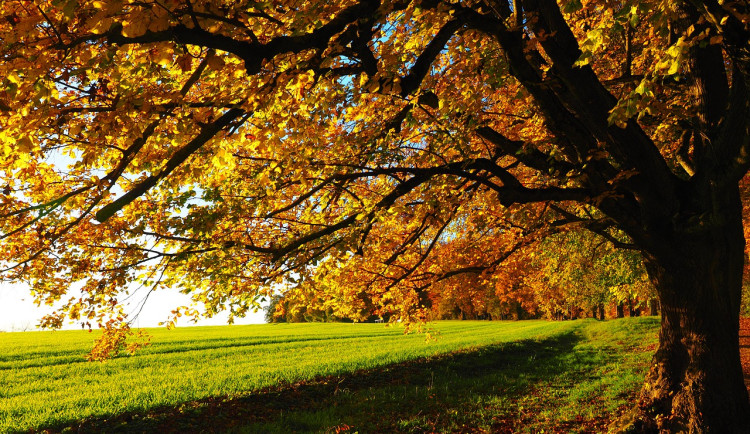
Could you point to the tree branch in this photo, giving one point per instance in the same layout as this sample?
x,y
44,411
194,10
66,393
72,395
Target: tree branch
x,y
182,154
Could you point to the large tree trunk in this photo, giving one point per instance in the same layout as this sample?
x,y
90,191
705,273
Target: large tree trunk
x,y
695,383
632,309
620,310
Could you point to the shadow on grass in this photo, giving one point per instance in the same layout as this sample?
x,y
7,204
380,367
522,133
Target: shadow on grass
x,y
413,396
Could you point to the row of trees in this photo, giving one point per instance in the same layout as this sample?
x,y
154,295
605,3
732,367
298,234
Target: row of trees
x,y
567,275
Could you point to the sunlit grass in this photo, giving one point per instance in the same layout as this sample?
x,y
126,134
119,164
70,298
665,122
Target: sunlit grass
x,y
46,381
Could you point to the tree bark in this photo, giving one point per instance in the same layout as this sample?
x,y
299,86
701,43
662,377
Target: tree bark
x,y
653,309
631,309
695,383
620,310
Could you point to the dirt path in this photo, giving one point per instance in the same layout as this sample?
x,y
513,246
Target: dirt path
x,y
745,349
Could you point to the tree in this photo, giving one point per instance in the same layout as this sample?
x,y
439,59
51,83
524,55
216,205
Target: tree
x,y
563,275
273,312
220,146
579,270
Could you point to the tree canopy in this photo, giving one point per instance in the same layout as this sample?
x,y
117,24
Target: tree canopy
x,y
375,148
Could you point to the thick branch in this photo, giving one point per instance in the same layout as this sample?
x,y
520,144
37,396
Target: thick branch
x,y
597,226
423,63
182,154
591,103
529,156
253,53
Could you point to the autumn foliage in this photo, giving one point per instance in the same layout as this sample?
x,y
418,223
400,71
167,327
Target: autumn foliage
x,y
376,151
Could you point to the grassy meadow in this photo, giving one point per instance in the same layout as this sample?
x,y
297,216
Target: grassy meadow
x,y
473,376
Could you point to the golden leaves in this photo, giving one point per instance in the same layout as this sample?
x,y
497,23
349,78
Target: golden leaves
x,y
300,83
135,26
216,63
673,58
113,340
163,55
311,180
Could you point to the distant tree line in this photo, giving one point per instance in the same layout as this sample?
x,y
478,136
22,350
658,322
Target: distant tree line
x,y
565,276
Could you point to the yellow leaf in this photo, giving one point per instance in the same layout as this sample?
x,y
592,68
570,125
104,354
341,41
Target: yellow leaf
x,y
159,24
674,66
24,144
215,63
163,57
135,27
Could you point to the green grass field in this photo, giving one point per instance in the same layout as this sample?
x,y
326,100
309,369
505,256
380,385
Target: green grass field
x,y
487,376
